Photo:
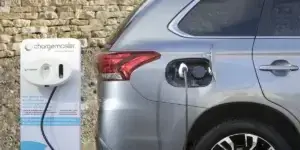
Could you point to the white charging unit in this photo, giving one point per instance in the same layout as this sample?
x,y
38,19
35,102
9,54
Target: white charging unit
x,y
50,75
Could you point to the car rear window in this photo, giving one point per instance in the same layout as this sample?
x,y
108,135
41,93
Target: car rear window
x,y
223,18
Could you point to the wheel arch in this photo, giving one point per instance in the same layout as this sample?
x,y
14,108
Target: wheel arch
x,y
240,110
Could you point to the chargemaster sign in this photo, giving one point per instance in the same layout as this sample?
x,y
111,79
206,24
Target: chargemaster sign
x,y
50,83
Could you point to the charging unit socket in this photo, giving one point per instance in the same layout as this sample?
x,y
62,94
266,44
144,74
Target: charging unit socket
x,y
47,72
50,90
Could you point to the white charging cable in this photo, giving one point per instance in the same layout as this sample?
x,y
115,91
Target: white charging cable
x,y
182,71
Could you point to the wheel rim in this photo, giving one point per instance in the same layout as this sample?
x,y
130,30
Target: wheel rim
x,y
243,141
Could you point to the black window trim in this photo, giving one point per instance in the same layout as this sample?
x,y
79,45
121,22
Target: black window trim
x,y
173,25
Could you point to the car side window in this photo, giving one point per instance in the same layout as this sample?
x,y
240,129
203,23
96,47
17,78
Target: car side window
x,y
222,18
280,18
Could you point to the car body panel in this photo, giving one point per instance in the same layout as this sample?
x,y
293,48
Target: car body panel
x,y
282,90
129,121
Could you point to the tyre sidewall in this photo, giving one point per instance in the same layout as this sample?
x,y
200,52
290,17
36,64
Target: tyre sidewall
x,y
235,127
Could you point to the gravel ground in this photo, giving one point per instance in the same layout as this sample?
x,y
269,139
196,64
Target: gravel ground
x,y
9,104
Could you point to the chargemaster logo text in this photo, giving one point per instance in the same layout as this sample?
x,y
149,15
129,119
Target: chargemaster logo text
x,y
53,46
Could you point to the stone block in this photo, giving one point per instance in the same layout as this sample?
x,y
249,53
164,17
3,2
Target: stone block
x,y
76,34
15,3
30,16
102,15
79,22
15,46
1,29
36,2
94,42
21,23
3,47
48,15
4,38
112,8
6,53
56,22
111,2
51,30
63,29
47,8
97,2
11,30
51,35
32,30
89,28
63,35
71,8
40,22
59,22
97,21
94,8
111,21
18,38
81,14
24,9
128,2
31,36
69,2
7,23
10,16
73,27
99,34
86,34
127,8
66,15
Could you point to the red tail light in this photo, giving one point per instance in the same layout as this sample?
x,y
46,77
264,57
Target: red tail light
x,y
120,65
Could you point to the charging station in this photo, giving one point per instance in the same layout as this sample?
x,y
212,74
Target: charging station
x,y
50,80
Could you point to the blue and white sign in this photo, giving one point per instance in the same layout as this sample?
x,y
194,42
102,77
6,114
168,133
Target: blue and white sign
x,y
62,120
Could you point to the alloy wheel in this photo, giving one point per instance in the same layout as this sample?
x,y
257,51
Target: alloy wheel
x,y
243,141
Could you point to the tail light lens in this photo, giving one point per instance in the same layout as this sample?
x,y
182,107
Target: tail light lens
x,y
118,66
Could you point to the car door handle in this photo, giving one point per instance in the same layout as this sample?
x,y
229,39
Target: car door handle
x,y
279,68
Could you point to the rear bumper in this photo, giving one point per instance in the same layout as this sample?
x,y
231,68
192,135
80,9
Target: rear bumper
x,y
127,121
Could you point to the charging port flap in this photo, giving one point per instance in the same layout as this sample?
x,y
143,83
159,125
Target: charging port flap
x,y
198,75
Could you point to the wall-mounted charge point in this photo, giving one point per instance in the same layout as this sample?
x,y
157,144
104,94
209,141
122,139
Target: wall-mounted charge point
x,y
50,94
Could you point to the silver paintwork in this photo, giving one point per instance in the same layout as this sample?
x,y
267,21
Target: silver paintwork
x,y
147,113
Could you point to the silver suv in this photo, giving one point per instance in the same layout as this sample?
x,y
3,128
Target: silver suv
x,y
203,75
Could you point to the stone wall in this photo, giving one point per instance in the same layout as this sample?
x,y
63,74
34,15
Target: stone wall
x,y
91,21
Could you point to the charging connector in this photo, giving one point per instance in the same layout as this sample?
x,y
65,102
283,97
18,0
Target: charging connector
x,y
182,70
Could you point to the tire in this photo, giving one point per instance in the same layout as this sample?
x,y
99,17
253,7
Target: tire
x,y
212,137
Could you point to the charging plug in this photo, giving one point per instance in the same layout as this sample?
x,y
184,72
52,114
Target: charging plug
x,y
47,72
182,70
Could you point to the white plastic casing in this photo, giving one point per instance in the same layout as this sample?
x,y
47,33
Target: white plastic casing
x,y
62,123
45,72
182,70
